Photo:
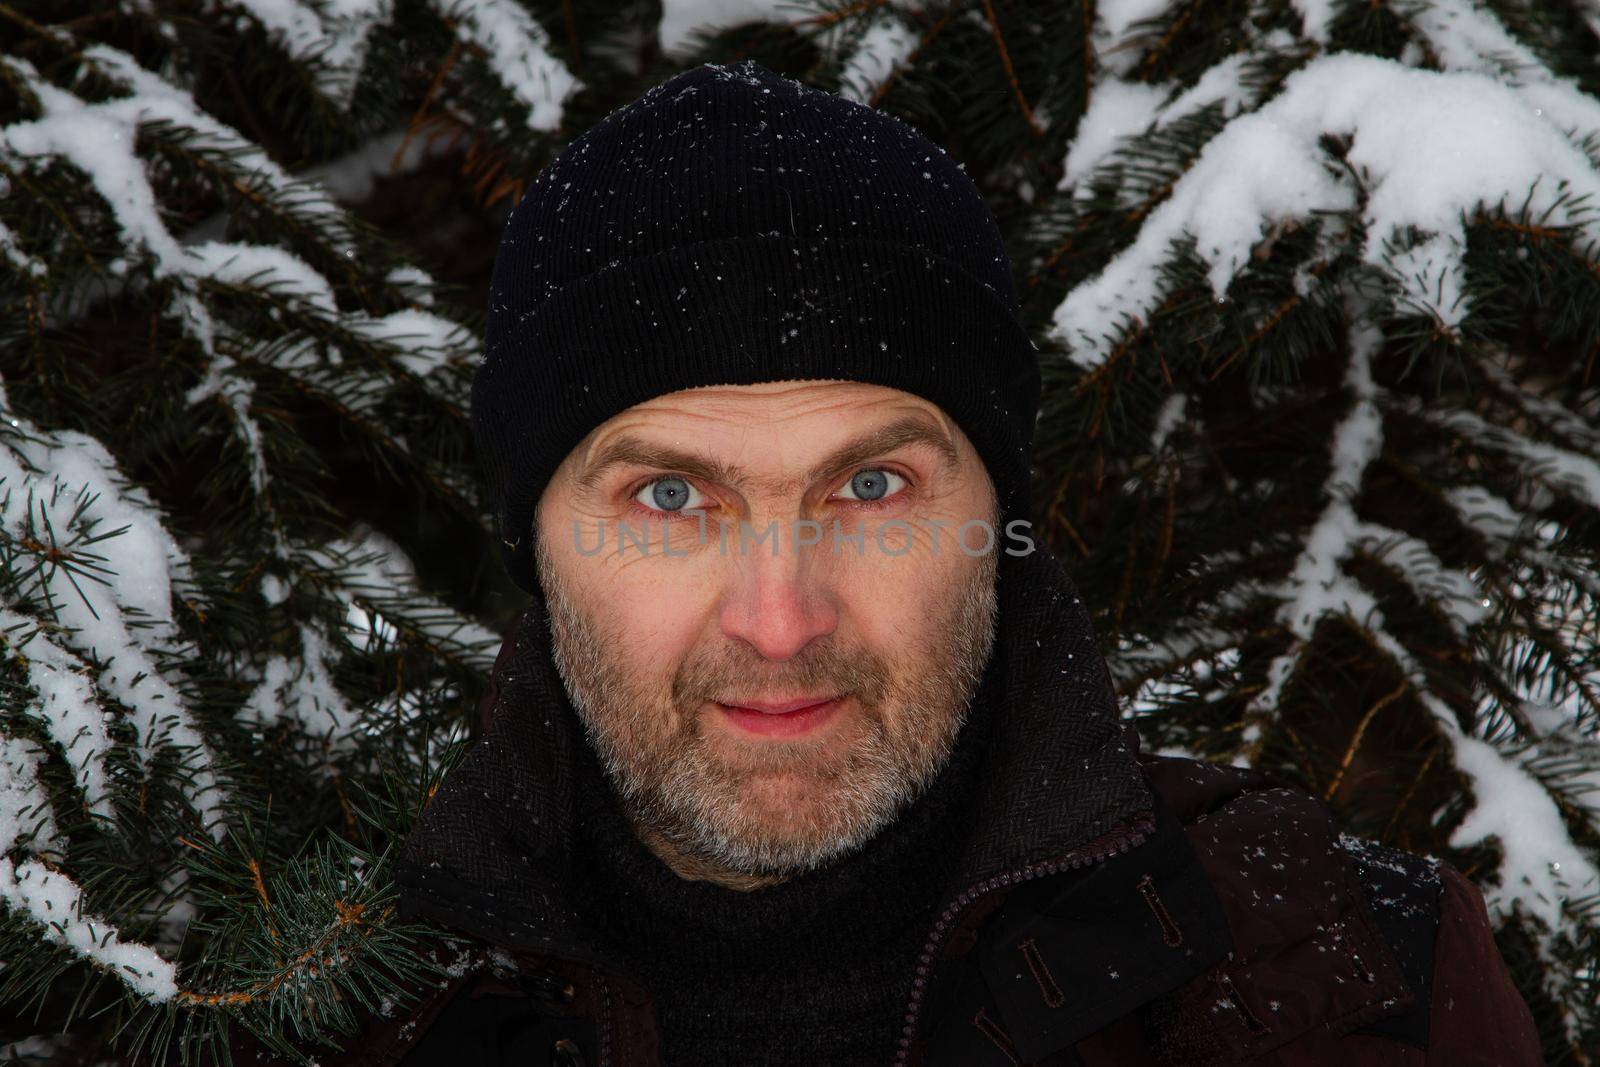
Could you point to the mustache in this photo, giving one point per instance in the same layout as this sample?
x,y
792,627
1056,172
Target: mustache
x,y
824,666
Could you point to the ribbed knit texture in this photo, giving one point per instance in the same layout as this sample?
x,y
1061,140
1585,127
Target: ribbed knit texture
x,y
815,970
734,226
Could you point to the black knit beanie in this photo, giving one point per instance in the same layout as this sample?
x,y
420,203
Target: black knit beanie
x,y
734,226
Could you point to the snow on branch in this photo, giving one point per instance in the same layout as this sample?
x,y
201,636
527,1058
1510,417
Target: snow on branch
x,y
682,20
63,501
1580,431
1559,468
518,52
302,691
371,574
1543,872
1466,37
1119,110
1456,597
1463,141
327,38
421,342
876,55
26,818
331,38
264,268
1317,585
15,253
49,898
1543,867
55,903
64,702
99,140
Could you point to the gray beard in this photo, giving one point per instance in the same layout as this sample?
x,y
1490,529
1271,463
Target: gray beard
x,y
681,791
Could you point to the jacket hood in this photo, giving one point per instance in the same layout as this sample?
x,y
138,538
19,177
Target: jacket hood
x,y
492,855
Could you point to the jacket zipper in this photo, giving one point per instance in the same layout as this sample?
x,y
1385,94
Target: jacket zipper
x,y
1113,842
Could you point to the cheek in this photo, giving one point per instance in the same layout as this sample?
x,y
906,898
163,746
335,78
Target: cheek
x,y
660,614
896,603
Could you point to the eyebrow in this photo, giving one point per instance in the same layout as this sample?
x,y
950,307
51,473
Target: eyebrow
x,y
908,430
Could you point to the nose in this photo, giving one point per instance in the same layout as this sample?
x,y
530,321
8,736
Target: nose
x,y
777,604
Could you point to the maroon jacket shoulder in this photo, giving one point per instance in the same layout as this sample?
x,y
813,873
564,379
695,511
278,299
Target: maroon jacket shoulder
x,y
1477,1014
1404,921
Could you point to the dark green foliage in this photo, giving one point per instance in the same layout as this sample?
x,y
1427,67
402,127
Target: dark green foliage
x,y
1188,469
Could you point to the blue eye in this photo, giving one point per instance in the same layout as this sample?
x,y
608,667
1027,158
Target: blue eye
x,y
873,483
668,494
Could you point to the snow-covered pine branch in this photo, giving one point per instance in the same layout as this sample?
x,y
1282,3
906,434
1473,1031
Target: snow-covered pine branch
x,y
190,630
1318,285
1338,199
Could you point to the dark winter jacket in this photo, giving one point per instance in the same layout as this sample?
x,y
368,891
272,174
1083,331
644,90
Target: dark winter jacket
x,y
1113,907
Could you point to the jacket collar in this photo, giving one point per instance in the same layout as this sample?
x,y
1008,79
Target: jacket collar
x,y
492,856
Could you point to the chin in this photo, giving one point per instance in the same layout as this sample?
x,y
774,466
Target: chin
x,y
784,800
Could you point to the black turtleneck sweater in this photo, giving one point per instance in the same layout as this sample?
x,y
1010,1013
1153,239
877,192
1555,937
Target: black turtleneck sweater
x,y
814,970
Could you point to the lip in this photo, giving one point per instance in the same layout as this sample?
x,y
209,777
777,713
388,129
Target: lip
x,y
789,718
780,707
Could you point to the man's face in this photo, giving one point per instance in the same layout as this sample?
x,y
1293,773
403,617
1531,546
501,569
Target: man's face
x,y
716,555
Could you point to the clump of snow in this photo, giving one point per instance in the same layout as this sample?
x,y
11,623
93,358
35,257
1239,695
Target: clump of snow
x,y
16,255
302,690
1315,15
274,590
1317,584
25,814
1542,868
351,177
886,44
55,903
64,701
518,51
681,18
1117,110
1114,31
1494,518
98,139
1168,418
1434,278
415,282
51,899
1464,140
70,483
1120,110
263,267
1576,474
332,33
366,569
1223,84
423,341
1466,37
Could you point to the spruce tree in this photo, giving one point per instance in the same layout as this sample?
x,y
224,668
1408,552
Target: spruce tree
x,y
1316,285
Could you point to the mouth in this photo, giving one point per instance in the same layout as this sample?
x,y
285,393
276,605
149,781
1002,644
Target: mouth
x,y
787,718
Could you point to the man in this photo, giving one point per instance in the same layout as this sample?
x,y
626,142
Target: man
x,y
802,752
